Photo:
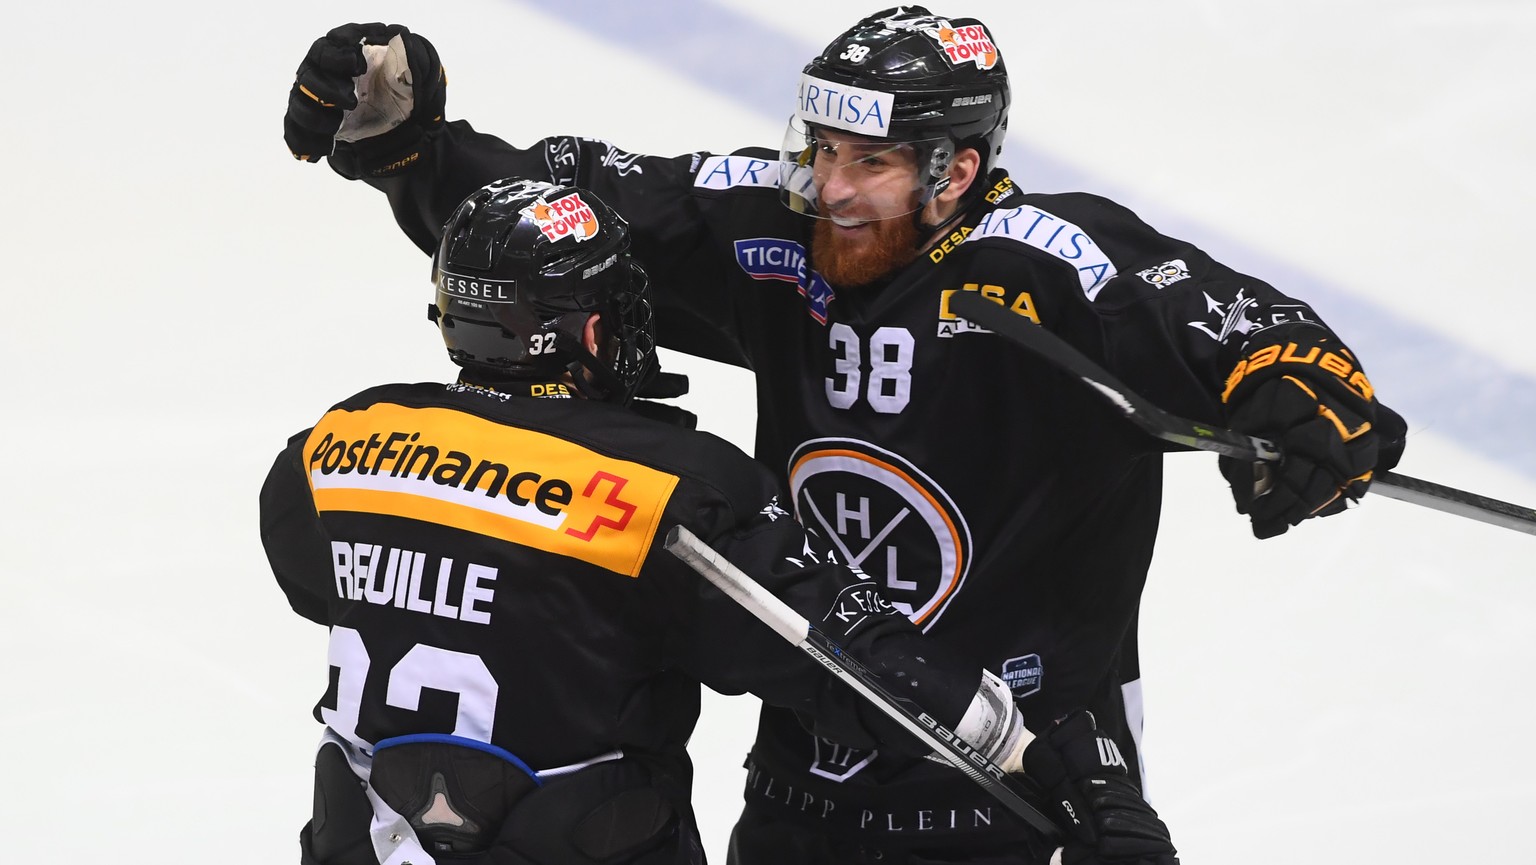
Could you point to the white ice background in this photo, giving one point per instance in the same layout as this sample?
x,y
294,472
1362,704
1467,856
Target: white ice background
x,y
183,296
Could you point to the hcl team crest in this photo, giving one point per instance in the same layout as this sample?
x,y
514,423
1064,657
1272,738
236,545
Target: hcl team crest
x,y
885,517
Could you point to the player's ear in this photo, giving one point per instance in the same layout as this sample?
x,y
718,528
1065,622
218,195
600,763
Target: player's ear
x,y
592,335
963,170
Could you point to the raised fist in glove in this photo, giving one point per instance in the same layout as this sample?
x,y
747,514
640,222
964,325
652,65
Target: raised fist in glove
x,y
1097,802
1303,390
365,95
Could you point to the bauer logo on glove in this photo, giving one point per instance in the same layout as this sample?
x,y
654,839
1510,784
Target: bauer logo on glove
x,y
1304,390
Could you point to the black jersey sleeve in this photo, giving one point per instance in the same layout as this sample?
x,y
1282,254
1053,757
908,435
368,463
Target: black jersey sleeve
x,y
1158,312
291,534
669,227
1176,320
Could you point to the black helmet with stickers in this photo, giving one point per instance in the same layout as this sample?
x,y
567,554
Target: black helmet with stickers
x,y
907,75
521,267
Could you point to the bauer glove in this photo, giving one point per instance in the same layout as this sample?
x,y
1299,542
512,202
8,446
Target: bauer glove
x,y
1306,392
1097,803
365,95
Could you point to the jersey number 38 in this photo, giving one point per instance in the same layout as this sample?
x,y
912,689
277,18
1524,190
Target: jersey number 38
x,y
886,382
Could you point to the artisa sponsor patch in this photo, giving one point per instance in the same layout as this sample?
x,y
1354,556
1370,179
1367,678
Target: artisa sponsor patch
x,y
843,106
725,172
1050,233
445,467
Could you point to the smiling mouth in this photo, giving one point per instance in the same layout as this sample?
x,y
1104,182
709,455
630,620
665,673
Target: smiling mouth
x,y
848,222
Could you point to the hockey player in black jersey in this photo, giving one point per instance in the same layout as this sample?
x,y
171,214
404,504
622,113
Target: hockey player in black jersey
x,y
997,502
515,663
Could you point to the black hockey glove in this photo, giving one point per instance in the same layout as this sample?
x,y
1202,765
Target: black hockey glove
x,y
1306,392
663,385
365,95
1097,802
670,415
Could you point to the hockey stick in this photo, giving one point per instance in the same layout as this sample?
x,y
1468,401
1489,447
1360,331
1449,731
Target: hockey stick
x,y
1172,428
798,630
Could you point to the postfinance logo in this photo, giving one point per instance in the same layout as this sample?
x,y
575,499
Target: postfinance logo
x,y
446,467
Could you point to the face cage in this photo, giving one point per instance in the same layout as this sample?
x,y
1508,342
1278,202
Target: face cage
x,y
799,191
636,335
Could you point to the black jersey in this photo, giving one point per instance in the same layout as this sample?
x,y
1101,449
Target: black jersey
x,y
490,568
997,501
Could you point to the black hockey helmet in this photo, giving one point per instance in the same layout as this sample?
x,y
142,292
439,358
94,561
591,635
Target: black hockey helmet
x,y
905,74
521,266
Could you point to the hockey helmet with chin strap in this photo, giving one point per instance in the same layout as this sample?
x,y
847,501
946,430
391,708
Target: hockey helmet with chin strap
x,y
909,77
521,267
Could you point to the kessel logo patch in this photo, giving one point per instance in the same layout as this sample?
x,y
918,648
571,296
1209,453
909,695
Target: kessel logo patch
x,y
854,605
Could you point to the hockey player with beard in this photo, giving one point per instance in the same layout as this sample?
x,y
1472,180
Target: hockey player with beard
x,y
999,504
515,661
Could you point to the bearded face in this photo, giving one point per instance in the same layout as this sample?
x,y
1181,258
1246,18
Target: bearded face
x,y
868,193
851,257
871,197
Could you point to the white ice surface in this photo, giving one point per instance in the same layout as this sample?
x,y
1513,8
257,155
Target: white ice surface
x,y
183,296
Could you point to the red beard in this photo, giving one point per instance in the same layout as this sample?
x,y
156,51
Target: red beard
x,y
882,248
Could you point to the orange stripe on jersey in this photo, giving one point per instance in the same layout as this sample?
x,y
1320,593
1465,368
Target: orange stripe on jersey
x,y
454,469
922,490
